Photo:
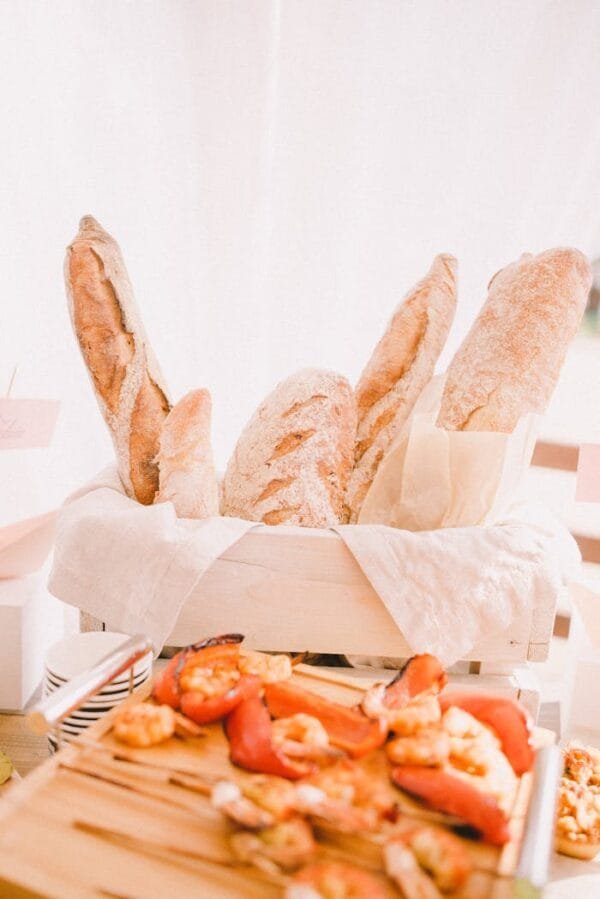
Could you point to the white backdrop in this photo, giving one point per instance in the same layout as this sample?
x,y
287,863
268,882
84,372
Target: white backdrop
x,y
278,174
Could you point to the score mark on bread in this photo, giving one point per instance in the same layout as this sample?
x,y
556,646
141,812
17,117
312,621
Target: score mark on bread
x,y
292,462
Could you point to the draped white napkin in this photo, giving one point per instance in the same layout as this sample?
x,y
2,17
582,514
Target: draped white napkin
x,y
449,589
134,567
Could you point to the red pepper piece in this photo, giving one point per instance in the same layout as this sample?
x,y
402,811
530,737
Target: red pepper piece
x,y
217,650
248,728
506,717
204,711
421,674
448,793
348,729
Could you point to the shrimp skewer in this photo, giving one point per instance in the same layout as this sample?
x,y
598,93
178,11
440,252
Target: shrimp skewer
x,y
346,797
429,747
261,801
415,687
439,852
335,880
303,736
508,720
270,668
285,845
403,868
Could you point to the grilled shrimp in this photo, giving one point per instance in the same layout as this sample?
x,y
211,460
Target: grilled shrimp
x,y
461,725
345,796
420,712
335,880
144,725
429,747
440,853
269,668
208,682
286,845
403,868
261,801
303,736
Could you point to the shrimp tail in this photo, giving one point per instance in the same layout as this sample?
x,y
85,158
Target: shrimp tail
x,y
421,674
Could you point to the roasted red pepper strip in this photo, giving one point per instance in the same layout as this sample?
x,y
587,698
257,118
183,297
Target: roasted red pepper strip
x,y
506,717
448,793
204,711
248,729
223,650
421,674
348,728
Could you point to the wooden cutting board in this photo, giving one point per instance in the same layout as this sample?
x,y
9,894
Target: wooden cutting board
x,y
100,819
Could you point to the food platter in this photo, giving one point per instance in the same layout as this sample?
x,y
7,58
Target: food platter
x,y
104,819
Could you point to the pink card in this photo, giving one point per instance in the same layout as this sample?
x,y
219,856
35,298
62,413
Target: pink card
x,y
588,474
25,545
27,423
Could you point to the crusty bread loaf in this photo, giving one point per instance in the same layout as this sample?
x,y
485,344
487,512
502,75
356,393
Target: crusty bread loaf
x,y
293,459
401,365
511,358
125,375
187,475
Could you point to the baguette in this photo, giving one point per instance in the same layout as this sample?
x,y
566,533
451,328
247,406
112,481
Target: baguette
x,y
511,358
401,365
187,475
126,378
293,459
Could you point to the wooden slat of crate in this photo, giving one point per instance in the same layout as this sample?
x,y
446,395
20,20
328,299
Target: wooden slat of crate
x,y
258,585
146,837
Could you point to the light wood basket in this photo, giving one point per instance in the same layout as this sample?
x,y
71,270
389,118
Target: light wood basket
x,y
295,589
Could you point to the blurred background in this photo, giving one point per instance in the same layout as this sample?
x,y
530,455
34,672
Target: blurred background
x,y
278,175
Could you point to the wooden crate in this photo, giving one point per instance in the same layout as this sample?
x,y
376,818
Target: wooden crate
x,y
292,589
100,819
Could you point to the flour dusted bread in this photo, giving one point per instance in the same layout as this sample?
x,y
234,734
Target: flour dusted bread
x,y
510,361
187,475
293,459
401,365
125,375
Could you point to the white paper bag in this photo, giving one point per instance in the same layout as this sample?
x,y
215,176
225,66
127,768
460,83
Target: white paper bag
x,y
432,478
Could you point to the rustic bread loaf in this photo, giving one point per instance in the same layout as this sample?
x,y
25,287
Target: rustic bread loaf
x,y
125,375
511,358
401,365
293,459
187,475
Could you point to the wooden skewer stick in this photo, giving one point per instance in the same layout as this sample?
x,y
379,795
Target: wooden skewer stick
x,y
166,852
332,677
123,755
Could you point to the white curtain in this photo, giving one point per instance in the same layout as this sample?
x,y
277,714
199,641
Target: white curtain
x,y
278,174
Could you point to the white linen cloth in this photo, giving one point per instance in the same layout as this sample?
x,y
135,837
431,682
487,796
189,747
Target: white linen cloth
x,y
135,566
449,589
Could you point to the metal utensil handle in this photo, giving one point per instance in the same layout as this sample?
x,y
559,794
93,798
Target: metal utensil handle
x,y
538,838
51,710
